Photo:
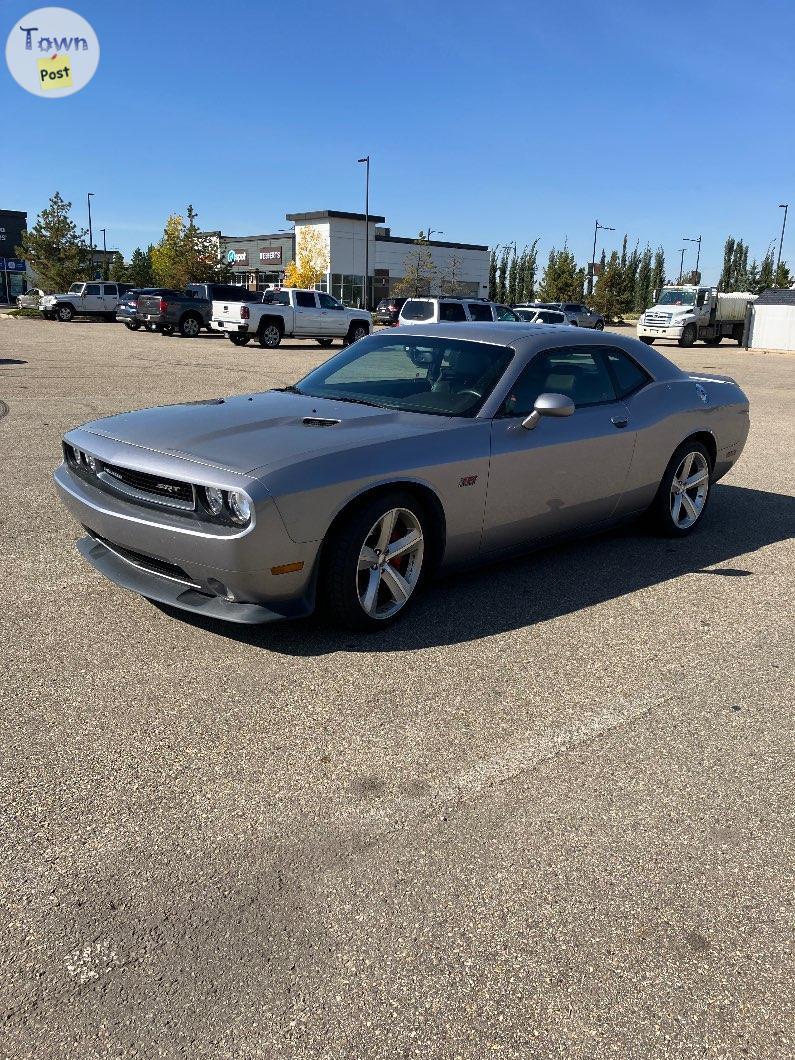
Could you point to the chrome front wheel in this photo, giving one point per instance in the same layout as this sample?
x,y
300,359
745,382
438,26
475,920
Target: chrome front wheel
x,y
390,563
689,489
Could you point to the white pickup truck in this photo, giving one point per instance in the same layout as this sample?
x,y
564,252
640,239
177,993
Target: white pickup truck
x,y
292,313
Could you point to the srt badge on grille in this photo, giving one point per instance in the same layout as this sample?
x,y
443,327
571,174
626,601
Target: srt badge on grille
x,y
167,487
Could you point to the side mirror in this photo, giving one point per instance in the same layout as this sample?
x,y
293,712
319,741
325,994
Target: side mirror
x,y
548,405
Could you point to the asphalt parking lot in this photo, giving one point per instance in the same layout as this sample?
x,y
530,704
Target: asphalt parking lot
x,y
548,815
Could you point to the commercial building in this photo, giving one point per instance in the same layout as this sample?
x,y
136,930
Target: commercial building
x,y
12,270
457,268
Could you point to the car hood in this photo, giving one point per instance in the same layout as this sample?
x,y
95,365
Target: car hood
x,y
261,432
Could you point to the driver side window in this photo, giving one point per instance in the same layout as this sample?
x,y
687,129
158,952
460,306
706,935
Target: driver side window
x,y
571,370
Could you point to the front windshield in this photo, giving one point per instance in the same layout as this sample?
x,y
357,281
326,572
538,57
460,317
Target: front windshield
x,y
672,297
76,288
443,377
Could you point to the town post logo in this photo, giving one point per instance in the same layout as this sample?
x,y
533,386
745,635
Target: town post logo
x,y
52,52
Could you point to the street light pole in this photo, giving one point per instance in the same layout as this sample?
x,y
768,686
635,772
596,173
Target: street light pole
x,y
366,292
104,256
605,228
688,239
785,207
681,264
90,238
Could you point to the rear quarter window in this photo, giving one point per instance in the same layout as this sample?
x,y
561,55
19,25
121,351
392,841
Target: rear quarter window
x,y
452,311
417,309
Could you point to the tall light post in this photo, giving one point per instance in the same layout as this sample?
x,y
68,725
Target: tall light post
x,y
605,228
90,238
433,232
366,292
785,207
697,239
104,256
681,264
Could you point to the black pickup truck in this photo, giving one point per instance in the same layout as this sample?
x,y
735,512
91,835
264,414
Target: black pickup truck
x,y
168,311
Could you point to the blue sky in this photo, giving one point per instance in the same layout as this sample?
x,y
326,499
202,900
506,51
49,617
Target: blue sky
x,y
491,122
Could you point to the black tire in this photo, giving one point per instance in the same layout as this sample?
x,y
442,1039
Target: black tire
x,y
325,343
269,335
647,339
189,326
64,312
341,581
133,325
166,329
599,325
661,512
688,335
48,316
358,330
714,342
238,339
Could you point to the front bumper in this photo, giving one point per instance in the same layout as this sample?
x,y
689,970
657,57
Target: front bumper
x,y
219,571
670,332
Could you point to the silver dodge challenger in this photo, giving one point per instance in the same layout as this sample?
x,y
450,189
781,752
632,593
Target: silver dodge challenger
x,y
410,451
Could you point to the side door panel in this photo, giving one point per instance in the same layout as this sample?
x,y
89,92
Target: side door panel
x,y
307,317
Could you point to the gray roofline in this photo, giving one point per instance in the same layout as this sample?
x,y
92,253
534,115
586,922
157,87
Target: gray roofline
x,y
267,235
19,213
430,242
324,215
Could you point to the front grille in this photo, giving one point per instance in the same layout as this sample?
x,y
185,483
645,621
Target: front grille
x,y
157,486
658,320
147,563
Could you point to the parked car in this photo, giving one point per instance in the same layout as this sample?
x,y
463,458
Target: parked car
x,y
30,299
84,299
542,316
222,295
387,311
167,310
127,309
453,310
290,312
412,450
579,314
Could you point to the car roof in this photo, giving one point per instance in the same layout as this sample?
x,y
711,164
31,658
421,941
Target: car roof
x,y
528,339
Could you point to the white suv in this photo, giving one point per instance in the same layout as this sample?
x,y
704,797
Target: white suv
x,y
453,310
85,300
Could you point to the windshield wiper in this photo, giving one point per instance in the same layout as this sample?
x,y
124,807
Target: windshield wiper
x,y
288,389
357,401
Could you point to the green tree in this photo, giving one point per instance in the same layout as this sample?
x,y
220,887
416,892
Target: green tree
x,y
118,270
766,272
753,277
493,275
643,283
419,270
608,293
562,281
783,277
502,276
657,274
527,272
185,255
55,248
630,264
513,276
139,270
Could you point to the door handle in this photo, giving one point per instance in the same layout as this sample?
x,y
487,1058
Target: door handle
x,y
619,421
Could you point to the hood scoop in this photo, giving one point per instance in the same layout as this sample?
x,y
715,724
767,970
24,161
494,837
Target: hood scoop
x,y
319,421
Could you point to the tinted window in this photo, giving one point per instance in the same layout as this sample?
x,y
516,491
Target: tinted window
x,y
629,376
414,309
572,307
305,299
578,372
451,311
327,302
276,297
111,288
548,316
504,313
445,377
92,288
478,311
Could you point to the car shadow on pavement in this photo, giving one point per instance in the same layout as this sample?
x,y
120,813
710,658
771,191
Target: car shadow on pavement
x,y
557,581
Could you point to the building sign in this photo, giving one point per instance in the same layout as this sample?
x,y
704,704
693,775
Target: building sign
x,y
271,256
12,265
237,257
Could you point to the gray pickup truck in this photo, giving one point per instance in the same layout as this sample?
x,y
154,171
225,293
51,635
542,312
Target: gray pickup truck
x,y
169,311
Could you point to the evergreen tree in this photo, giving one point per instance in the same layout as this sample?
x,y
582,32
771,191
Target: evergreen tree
x,y
783,277
643,283
608,292
118,270
562,280
629,278
753,277
528,272
55,248
502,276
766,272
513,274
657,274
724,283
493,275
184,255
139,271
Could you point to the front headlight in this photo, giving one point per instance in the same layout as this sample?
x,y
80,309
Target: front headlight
x,y
215,499
239,506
